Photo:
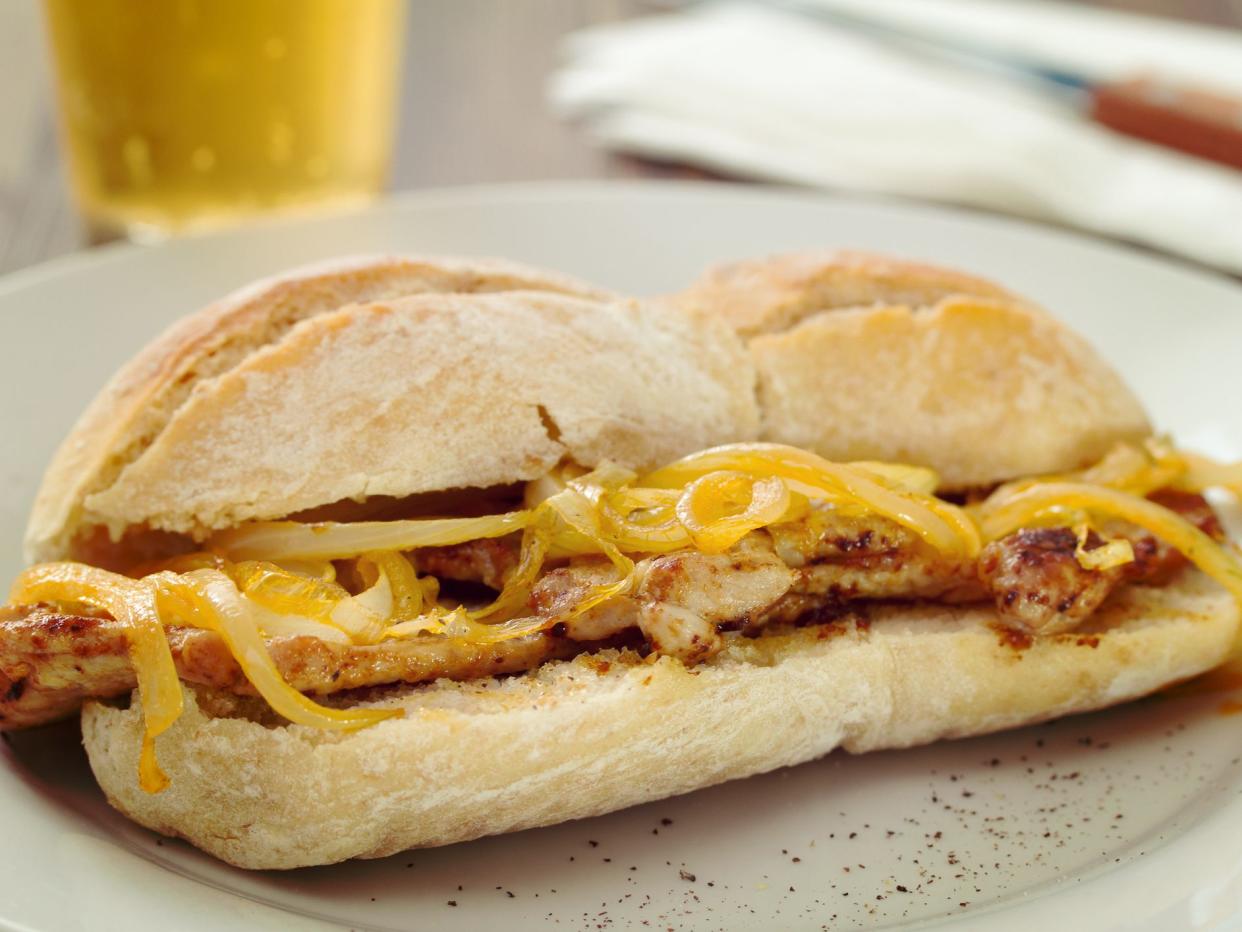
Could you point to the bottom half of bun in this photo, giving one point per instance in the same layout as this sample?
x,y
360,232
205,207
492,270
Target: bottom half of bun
x,y
583,737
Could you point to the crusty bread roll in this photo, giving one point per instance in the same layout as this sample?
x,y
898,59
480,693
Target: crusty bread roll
x,y
433,392
337,386
140,400
865,357
599,733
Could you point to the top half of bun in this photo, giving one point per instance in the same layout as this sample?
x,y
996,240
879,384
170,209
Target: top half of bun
x,y
385,377
393,377
861,356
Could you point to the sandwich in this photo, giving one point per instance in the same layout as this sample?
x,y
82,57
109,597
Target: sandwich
x,y
398,553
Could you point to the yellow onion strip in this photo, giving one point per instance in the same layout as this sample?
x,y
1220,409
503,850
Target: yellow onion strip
x,y
633,519
1141,469
214,603
1128,467
408,592
1204,473
917,479
1019,509
578,513
282,591
279,541
323,570
285,593
707,509
816,477
536,540
280,625
1109,555
643,520
569,522
132,603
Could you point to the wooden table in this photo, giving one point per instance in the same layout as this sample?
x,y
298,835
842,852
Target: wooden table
x,y
464,58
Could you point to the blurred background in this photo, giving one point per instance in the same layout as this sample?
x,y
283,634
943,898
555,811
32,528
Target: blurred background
x,y
148,118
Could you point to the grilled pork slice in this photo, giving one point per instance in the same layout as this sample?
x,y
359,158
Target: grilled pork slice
x,y
50,662
1041,588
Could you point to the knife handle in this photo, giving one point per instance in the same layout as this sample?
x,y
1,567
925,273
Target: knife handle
x,y
1192,120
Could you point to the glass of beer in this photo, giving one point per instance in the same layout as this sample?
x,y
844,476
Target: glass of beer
x,y
187,114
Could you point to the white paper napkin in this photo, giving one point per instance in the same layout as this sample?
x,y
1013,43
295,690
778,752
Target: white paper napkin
x,y
756,91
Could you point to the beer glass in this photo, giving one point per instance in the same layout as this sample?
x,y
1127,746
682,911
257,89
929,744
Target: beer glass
x,y
183,114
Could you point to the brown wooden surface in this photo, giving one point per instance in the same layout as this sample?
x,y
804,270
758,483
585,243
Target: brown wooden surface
x,y
472,108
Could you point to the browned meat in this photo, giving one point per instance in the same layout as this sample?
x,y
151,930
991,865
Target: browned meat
x,y
51,662
681,602
1040,587
825,536
862,557
1154,560
483,561
685,598
1038,582
559,592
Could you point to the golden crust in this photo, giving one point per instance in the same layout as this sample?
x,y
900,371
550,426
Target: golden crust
x,y
774,294
129,413
434,392
863,357
977,389
580,738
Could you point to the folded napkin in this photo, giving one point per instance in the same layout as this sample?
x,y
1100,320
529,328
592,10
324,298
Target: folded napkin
x,y
752,90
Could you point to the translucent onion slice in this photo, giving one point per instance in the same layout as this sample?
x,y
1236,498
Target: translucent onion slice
x,y
323,570
536,542
539,490
961,522
565,523
818,478
577,511
275,624
459,624
182,563
597,595
1127,467
365,615
288,540
1204,473
286,592
1134,469
917,479
606,477
219,607
133,604
648,501
655,530
633,519
1020,509
407,591
721,508
430,623
1110,555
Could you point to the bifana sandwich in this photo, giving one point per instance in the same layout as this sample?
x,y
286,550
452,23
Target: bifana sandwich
x,y
402,552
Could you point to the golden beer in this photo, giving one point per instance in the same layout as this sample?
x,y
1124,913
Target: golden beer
x,y
180,114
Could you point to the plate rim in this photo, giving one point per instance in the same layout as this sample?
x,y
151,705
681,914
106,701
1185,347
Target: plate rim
x,y
412,199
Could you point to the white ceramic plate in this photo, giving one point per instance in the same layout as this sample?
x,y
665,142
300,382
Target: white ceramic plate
x,y
1127,819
